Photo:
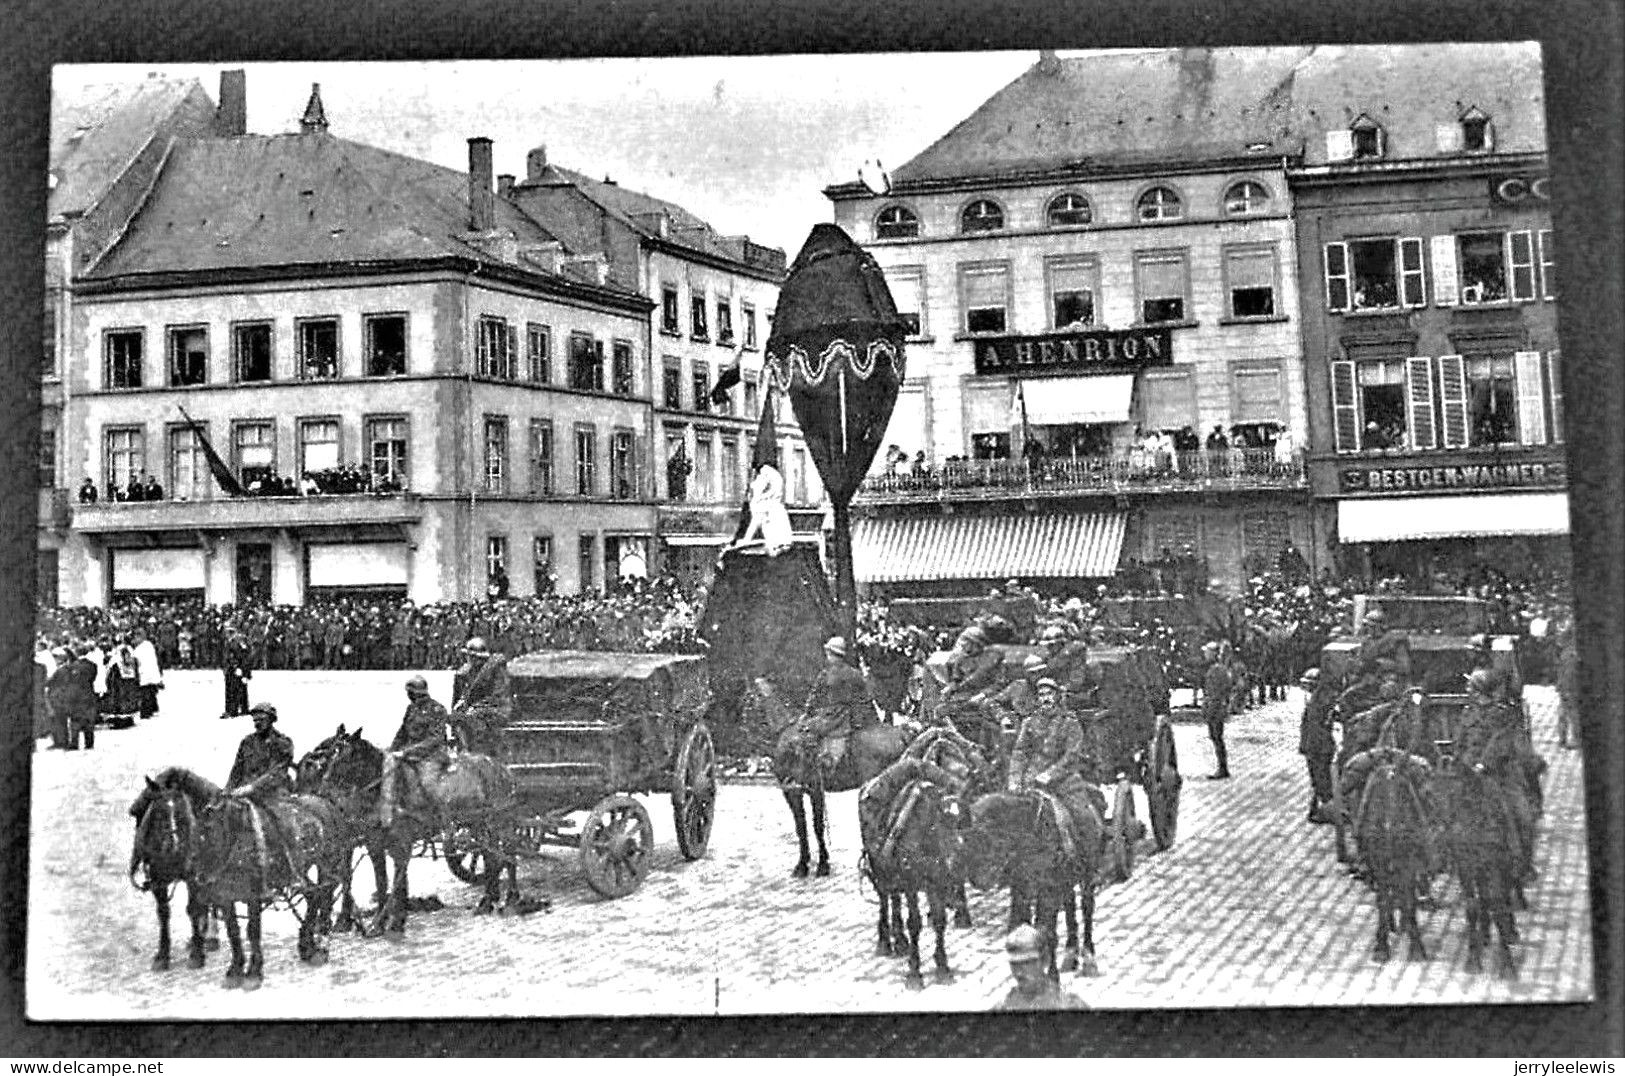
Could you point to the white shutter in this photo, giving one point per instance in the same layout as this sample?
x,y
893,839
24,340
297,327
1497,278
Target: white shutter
x,y
1339,145
1345,408
1444,270
1548,285
1531,401
1419,401
1337,276
1521,260
1412,288
1554,383
1453,400
1447,136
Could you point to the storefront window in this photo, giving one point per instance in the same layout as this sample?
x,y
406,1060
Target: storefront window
x,y
1492,401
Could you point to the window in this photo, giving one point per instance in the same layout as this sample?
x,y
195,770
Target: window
x,y
386,449
386,344
496,563
701,378
985,291
730,470
189,478
1374,274
1069,211
1481,265
1162,281
1379,397
541,564
123,354
494,349
725,321
188,355
47,458
983,215
586,556
126,457
318,348
668,309
623,475
907,286
704,468
1492,399
1249,274
753,405
1159,203
1548,267
678,465
1246,198
897,222
747,314
539,353
1167,399
586,363
1073,285
1367,139
671,383
496,454
48,351
1257,393
696,317
251,352
586,461
318,445
623,379
541,457
254,446
1476,134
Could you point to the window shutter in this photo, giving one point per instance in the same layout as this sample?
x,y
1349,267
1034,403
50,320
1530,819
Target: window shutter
x,y
1337,276
1531,401
1521,258
640,466
1412,287
1444,270
482,361
1489,137
1447,136
1554,382
1453,400
1345,408
1543,242
1339,145
1419,401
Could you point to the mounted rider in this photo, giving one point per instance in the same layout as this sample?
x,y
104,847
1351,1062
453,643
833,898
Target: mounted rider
x,y
420,742
1016,701
1068,661
264,763
840,704
1505,683
482,699
1493,735
975,672
1048,758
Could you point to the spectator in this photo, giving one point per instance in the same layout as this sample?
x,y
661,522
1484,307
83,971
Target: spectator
x,y
87,492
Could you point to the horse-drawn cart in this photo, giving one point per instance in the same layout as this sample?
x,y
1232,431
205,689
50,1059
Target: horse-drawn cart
x,y
590,729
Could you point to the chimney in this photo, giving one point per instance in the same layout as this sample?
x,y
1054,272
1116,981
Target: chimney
x,y
504,186
1048,62
481,206
231,117
535,164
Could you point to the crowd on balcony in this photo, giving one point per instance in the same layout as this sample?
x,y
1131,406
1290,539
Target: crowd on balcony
x,y
259,483
141,487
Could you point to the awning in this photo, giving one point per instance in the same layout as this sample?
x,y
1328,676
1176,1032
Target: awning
x,y
158,569
1075,546
1400,519
1068,401
371,564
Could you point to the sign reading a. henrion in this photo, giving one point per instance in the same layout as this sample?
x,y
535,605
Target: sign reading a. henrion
x,y
1105,351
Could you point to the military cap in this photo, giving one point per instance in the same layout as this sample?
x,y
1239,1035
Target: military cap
x,y
836,645
476,645
263,708
1310,676
1034,666
1047,681
417,683
1023,944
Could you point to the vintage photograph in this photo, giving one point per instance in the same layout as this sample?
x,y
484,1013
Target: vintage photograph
x,y
837,534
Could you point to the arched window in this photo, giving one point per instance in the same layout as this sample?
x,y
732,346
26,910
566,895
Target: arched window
x,y
981,216
1069,211
897,222
1246,198
1160,203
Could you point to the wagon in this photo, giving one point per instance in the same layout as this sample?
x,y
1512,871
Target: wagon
x,y
589,730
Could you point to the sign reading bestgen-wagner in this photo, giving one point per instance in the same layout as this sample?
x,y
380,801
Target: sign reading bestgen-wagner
x,y
1466,476
1061,353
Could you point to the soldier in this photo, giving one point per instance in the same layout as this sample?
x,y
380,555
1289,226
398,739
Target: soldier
x,y
1506,684
1068,661
1377,643
840,705
1049,754
72,693
421,740
1493,735
1016,701
973,672
1033,989
1217,683
482,700
264,758
238,669
1316,745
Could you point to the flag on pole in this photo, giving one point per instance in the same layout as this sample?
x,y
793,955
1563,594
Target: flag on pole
x,y
726,380
767,433
222,474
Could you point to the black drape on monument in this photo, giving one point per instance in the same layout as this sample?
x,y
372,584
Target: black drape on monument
x,y
837,351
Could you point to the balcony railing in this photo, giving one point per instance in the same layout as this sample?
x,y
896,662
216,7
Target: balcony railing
x,y
1239,469
337,509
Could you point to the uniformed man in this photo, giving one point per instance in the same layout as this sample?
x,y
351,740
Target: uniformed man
x,y
72,694
1050,753
1315,743
1016,701
1217,684
482,700
1377,643
1505,682
974,671
1493,735
264,758
1068,661
840,704
420,741
1033,989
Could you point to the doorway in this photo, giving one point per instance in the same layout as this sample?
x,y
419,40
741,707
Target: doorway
x,y
253,573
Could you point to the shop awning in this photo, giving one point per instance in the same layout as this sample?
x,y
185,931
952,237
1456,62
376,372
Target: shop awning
x,y
1069,401
1401,519
1074,545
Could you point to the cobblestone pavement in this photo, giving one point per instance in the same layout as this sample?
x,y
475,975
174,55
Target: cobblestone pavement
x,y
1248,908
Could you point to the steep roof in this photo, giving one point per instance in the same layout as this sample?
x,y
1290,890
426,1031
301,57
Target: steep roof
x,y
298,199
97,133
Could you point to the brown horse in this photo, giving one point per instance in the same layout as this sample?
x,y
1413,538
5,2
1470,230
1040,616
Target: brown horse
x,y
1486,848
161,859
1395,831
357,812
869,750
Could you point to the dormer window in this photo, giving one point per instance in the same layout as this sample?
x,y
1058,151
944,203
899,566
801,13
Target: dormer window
x,y
981,216
1246,198
1069,211
1476,134
1160,203
1367,138
897,222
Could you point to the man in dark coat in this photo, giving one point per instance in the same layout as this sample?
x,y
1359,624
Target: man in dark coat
x,y
482,699
1315,743
420,741
840,705
264,758
72,694
1217,684
238,669
1049,755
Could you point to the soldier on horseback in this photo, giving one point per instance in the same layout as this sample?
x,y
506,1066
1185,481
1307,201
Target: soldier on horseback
x,y
481,698
264,758
839,705
1068,662
1049,756
1493,736
420,741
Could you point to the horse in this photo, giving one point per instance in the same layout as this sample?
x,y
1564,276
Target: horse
x,y
245,852
476,801
161,858
1394,830
1015,839
1485,848
357,810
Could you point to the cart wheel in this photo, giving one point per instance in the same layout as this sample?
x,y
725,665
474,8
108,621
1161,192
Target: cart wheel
x,y
694,791
1122,833
616,840
467,866
1162,787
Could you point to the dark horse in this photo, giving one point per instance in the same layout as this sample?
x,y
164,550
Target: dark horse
x,y
869,750
1485,845
244,852
1015,839
1395,830
161,859
474,804
357,809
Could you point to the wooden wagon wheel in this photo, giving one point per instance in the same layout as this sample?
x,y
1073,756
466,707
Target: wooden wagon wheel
x,y
616,840
694,791
1122,833
467,865
1162,783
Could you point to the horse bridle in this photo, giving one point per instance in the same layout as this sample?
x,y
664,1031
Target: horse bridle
x,y
186,847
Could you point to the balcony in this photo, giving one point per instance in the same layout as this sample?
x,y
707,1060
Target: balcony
x,y
240,513
1126,475
54,511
